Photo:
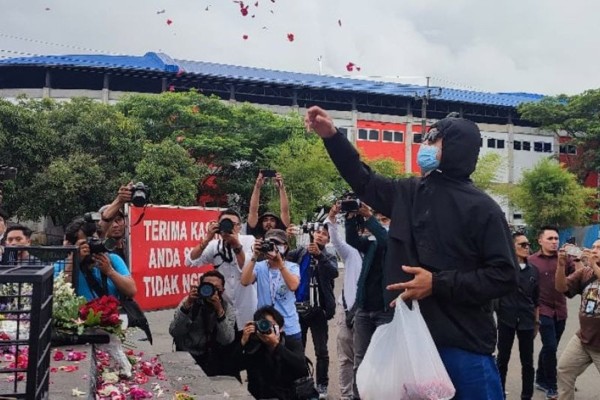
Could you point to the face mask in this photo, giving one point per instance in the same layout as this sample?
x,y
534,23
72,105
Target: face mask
x,y
281,249
426,158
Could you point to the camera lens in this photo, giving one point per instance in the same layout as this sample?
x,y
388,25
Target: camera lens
x,y
264,326
226,226
206,290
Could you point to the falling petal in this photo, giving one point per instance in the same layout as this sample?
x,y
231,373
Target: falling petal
x,y
245,37
350,67
339,22
169,22
290,37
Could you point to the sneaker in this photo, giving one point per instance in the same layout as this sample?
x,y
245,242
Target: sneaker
x,y
322,389
541,387
551,394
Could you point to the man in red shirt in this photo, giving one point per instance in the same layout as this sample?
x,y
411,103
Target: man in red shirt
x,y
584,347
553,309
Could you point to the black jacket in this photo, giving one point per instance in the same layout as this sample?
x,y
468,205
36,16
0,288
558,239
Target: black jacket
x,y
325,272
271,374
442,223
517,309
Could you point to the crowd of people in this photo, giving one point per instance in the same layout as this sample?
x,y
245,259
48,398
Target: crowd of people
x,y
435,239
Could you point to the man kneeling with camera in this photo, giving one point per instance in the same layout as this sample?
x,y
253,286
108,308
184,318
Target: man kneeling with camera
x,y
276,367
204,325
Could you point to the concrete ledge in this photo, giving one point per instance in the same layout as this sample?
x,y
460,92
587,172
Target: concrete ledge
x,y
182,371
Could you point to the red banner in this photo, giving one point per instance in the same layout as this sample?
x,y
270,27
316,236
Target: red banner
x,y
158,243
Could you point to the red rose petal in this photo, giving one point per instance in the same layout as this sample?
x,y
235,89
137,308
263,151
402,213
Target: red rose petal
x,y
59,356
350,67
358,69
169,22
290,37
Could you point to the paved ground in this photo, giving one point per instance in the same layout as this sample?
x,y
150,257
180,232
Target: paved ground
x,y
588,384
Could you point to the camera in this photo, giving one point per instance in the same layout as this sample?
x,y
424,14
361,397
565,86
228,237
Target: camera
x,y
139,194
7,173
267,247
311,227
98,245
263,326
206,290
226,226
349,205
91,217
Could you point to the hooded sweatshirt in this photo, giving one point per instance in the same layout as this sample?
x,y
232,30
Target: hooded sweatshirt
x,y
442,223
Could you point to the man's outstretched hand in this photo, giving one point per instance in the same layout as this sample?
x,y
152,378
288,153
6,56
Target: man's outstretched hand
x,y
318,120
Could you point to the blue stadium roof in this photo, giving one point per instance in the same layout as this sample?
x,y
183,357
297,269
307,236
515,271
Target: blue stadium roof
x,y
159,62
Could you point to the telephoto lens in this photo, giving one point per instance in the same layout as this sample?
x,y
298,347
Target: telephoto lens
x,y
206,290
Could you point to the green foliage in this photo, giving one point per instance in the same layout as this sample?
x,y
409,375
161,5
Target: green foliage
x,y
387,166
170,172
485,175
577,116
549,194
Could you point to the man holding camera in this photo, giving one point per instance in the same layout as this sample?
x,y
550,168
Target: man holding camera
x,y
258,226
584,348
369,237
112,220
346,304
315,300
226,249
101,272
204,326
276,279
273,362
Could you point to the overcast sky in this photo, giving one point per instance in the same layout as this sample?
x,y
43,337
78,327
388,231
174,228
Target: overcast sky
x,y
541,46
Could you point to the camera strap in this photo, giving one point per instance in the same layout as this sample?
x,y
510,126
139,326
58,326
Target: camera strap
x,y
95,286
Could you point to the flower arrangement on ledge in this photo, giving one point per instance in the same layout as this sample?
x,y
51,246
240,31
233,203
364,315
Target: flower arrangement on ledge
x,y
73,315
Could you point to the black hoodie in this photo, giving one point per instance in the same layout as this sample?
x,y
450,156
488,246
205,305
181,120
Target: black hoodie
x,y
445,224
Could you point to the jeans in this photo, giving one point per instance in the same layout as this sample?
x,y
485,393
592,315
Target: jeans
x,y
320,335
345,352
365,323
475,376
506,337
551,331
573,361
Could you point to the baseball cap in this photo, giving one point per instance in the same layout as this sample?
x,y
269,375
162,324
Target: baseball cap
x,y
277,235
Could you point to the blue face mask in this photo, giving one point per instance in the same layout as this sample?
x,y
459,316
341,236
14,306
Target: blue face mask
x,y
426,158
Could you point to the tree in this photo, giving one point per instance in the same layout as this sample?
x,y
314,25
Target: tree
x,y
578,117
486,172
171,174
549,194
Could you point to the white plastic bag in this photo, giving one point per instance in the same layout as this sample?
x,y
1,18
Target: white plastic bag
x,y
402,362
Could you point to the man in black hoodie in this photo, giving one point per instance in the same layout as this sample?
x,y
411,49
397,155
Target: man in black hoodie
x,y
449,245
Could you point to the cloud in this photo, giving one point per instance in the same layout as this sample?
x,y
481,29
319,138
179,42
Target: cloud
x,y
543,46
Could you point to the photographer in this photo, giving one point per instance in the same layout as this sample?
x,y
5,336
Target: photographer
x,y
204,325
3,221
346,304
258,226
371,311
101,272
276,279
272,361
315,300
112,220
226,249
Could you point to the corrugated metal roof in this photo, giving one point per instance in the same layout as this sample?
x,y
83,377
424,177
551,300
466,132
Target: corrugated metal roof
x,y
163,63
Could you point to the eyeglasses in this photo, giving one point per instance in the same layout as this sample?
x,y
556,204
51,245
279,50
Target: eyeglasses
x,y
524,245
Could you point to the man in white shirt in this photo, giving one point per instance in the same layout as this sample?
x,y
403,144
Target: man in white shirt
x,y
228,251
345,344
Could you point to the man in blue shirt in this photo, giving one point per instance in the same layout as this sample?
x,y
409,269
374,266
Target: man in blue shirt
x,y
99,273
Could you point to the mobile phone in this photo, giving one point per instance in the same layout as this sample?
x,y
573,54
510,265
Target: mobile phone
x,y
268,173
